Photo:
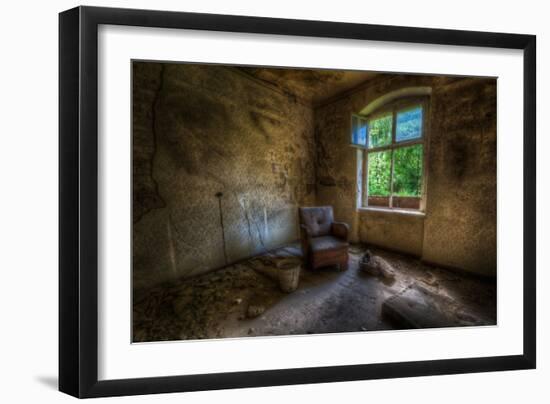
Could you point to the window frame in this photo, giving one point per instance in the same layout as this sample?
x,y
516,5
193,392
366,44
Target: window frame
x,y
363,151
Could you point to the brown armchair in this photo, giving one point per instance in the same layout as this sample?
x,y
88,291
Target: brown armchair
x,y
324,241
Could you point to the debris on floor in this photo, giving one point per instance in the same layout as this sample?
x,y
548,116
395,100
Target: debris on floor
x,y
246,299
254,310
377,266
429,279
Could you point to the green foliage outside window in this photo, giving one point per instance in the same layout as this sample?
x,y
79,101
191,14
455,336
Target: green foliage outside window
x,y
407,160
407,171
379,173
380,131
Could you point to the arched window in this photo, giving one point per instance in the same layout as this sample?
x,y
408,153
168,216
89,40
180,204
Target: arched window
x,y
392,154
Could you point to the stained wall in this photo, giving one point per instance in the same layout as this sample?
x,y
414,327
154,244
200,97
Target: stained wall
x,y
458,229
200,131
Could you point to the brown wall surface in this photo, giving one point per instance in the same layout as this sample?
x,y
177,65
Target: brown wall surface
x,y
459,228
394,231
202,130
461,211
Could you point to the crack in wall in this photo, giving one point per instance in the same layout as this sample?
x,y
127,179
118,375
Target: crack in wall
x,y
248,220
156,101
183,122
219,195
154,106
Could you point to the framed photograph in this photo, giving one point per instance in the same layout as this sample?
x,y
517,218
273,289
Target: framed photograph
x,y
251,201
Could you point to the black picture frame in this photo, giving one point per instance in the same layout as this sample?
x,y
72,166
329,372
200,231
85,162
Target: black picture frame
x,y
78,201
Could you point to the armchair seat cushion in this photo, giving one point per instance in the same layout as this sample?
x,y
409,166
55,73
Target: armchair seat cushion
x,y
326,243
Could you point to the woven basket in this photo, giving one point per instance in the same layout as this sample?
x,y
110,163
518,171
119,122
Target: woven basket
x,y
288,272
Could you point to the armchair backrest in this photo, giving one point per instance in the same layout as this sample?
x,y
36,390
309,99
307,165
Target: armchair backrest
x,y
318,220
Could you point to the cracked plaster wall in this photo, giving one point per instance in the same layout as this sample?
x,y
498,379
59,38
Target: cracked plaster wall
x,y
459,229
199,130
202,130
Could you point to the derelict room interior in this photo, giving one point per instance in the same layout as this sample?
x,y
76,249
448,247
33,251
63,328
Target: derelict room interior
x,y
287,201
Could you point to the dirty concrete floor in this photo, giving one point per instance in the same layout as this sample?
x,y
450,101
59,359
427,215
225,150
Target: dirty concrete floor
x,y
215,305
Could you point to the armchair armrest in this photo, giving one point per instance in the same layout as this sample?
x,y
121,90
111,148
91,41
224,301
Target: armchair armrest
x,y
340,230
305,234
305,238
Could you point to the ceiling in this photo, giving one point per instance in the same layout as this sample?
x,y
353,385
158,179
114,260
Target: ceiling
x,y
311,85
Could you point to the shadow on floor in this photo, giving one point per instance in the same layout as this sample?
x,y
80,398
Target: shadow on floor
x,y
48,381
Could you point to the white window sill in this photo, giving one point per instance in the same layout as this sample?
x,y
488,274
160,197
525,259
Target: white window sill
x,y
397,211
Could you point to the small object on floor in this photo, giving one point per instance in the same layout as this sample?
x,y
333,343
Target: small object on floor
x,y
429,279
255,310
377,266
289,274
356,249
264,267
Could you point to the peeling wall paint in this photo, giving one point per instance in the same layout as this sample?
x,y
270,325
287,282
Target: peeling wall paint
x,y
203,130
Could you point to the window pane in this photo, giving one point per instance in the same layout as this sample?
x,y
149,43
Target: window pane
x,y
379,173
408,124
407,171
359,131
380,131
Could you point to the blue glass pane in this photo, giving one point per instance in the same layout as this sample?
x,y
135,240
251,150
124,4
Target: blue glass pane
x,y
359,131
354,134
409,124
362,135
